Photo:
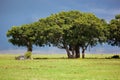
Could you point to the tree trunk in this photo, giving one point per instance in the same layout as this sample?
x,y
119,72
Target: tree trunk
x,y
29,47
73,51
68,52
77,51
83,53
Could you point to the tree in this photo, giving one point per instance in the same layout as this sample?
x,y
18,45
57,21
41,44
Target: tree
x,y
22,36
114,31
28,35
76,30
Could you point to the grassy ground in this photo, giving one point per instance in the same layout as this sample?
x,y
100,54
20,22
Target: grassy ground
x,y
57,67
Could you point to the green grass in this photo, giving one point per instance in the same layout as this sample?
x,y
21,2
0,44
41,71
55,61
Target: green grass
x,y
57,67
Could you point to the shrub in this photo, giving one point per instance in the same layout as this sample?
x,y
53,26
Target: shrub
x,y
115,56
28,55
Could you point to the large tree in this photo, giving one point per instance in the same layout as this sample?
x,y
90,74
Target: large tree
x,y
114,31
76,30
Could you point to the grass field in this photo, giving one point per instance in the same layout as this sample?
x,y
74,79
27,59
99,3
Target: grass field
x,y
57,67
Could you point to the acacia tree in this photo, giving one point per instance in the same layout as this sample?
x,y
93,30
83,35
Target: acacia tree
x,y
114,31
22,36
77,30
28,35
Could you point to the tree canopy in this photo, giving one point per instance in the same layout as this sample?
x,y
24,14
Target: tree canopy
x,y
25,35
114,31
75,30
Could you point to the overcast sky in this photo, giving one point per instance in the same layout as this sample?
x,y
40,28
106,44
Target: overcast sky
x,y
18,12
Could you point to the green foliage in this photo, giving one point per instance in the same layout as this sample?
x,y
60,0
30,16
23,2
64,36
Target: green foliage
x,y
114,31
21,35
28,55
117,16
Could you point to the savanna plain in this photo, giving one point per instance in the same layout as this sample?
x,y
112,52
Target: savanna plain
x,y
58,67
